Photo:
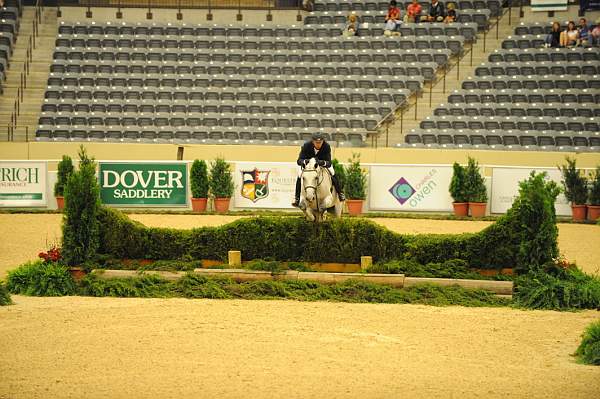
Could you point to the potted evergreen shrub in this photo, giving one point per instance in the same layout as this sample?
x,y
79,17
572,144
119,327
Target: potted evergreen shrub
x,y
65,168
221,184
457,191
199,185
594,196
356,182
575,185
475,189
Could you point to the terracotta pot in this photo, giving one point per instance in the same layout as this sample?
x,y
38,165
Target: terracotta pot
x,y
199,204
477,209
222,204
593,212
461,208
60,202
77,273
354,207
578,212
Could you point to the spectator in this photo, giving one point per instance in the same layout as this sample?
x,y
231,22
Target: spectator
x,y
308,5
451,14
351,28
595,34
569,37
584,33
392,19
436,12
553,38
413,12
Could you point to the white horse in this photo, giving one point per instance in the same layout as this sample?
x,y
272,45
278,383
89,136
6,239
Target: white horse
x,y
318,194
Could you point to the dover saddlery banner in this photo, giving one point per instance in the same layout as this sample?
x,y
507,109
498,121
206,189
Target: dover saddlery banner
x,y
505,188
264,184
410,188
22,183
144,183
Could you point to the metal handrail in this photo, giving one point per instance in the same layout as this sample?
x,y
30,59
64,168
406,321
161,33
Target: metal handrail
x,y
20,95
190,4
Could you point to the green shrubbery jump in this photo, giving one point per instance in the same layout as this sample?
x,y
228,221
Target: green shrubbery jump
x,y
525,237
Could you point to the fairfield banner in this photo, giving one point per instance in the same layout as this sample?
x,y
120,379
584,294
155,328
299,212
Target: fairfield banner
x,y
410,188
22,183
264,184
505,188
143,183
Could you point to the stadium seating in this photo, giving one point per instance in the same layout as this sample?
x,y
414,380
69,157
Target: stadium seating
x,y
494,6
231,84
526,97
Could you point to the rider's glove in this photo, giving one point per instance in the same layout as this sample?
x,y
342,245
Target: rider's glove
x,y
321,163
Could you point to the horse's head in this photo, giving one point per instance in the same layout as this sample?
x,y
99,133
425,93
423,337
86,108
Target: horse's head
x,y
310,179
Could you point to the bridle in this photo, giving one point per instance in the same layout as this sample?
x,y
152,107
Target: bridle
x,y
319,173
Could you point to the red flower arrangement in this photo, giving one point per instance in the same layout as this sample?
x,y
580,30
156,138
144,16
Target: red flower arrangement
x,y
53,255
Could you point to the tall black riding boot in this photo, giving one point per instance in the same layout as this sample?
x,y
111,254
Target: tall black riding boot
x,y
338,188
296,202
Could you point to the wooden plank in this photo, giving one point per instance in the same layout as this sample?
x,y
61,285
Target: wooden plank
x,y
241,275
109,274
497,287
318,267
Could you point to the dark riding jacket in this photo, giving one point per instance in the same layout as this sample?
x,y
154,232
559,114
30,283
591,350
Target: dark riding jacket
x,y
308,152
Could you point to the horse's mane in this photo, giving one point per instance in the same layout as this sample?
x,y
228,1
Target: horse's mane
x,y
312,164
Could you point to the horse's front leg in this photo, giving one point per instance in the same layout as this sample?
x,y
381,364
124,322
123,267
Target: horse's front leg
x,y
308,212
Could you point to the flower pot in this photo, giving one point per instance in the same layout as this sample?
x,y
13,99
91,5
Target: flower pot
x,y
60,202
77,273
199,204
593,212
578,212
477,209
461,208
354,207
222,204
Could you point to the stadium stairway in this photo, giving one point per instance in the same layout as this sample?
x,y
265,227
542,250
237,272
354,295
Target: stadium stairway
x,y
37,78
394,133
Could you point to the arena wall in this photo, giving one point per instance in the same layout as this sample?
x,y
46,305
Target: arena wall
x,y
258,153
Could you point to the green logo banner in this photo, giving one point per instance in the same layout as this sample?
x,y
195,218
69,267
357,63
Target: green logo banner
x,y
23,183
143,184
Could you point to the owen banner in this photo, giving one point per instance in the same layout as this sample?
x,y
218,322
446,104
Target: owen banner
x,y
410,188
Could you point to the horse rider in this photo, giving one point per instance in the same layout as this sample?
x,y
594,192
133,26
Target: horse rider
x,y
319,149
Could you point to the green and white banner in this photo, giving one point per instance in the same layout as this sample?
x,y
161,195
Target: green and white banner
x,y
549,5
505,188
22,183
144,183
